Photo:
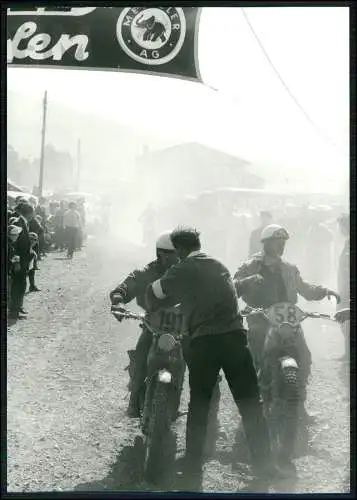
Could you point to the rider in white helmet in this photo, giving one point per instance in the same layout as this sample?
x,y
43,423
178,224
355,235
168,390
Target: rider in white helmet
x,y
134,287
266,279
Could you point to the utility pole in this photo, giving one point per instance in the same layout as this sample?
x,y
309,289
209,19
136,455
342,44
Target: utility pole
x,y
43,138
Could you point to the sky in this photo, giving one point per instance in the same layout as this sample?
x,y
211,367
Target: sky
x,y
250,114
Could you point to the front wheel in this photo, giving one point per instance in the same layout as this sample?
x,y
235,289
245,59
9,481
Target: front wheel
x,y
158,427
284,414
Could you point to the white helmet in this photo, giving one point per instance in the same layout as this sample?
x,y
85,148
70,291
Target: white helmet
x,y
274,231
164,242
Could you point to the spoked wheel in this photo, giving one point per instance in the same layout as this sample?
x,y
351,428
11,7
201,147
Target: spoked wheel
x,y
283,417
157,429
289,418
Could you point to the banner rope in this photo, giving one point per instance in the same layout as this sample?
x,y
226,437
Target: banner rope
x,y
282,81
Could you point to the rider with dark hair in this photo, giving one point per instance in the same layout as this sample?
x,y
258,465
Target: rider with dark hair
x,y
186,240
204,288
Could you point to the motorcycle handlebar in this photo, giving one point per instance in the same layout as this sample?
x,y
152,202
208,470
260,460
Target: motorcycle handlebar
x,y
317,315
248,311
126,314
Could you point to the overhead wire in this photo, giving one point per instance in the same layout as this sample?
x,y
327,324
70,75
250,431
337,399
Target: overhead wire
x,y
282,81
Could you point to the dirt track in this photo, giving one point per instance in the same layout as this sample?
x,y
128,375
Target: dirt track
x,y
67,428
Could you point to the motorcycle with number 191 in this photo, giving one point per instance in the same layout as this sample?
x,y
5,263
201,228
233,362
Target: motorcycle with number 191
x,y
163,386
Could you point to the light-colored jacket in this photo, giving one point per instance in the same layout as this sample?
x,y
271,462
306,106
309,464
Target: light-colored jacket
x,y
293,281
71,218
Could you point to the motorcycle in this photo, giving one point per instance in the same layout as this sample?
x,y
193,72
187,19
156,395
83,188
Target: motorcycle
x,y
284,406
165,373
163,387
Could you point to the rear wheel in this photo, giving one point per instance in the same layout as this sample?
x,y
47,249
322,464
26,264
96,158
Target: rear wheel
x,y
158,427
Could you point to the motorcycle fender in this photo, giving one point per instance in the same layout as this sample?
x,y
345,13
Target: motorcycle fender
x,y
288,363
164,377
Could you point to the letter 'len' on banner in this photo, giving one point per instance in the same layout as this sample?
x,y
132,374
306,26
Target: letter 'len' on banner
x,y
154,40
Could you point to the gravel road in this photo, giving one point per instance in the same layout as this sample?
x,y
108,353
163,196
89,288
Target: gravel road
x,y
66,423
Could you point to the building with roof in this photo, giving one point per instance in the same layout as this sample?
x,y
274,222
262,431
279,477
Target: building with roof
x,y
190,168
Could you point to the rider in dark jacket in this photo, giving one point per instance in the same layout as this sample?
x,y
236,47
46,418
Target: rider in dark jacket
x,y
134,287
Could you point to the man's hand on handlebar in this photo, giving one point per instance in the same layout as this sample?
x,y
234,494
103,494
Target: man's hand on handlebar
x,y
118,312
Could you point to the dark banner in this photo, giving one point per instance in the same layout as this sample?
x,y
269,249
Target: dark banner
x,y
155,40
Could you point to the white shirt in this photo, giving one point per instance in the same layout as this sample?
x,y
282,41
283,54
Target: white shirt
x,y
72,218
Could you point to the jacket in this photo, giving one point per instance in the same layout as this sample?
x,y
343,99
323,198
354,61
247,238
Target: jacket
x,y
257,296
22,246
205,290
134,287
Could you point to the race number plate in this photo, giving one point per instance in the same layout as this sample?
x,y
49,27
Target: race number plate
x,y
285,313
168,320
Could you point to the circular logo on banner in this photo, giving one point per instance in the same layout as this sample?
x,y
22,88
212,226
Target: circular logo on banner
x,y
151,36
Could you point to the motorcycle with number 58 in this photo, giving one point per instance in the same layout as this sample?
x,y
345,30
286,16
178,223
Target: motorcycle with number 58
x,y
284,404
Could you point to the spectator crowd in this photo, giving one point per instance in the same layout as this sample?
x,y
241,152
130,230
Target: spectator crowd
x,y
33,232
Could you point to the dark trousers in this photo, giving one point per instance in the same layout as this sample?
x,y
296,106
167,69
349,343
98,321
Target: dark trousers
x,y
31,275
71,240
141,354
41,244
18,290
59,237
208,355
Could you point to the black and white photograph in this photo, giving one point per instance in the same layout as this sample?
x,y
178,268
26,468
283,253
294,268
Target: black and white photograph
x,y
178,249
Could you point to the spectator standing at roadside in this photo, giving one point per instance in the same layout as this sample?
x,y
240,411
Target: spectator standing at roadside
x,y
35,226
59,227
53,207
255,244
33,263
22,248
72,226
13,260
